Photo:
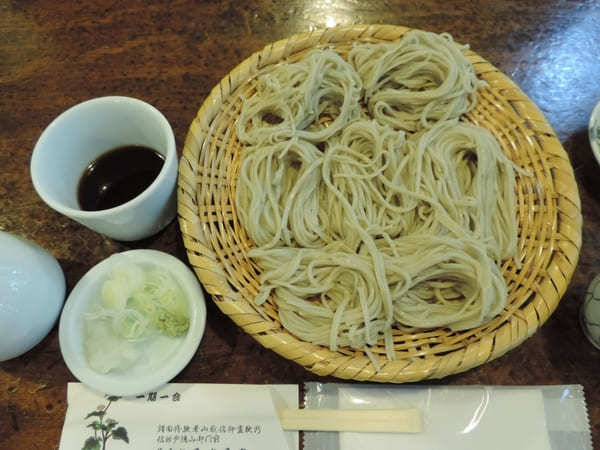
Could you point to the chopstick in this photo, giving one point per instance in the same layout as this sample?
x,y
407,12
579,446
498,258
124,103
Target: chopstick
x,y
362,420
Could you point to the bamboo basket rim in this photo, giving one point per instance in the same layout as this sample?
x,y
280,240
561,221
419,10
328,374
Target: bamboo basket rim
x,y
549,215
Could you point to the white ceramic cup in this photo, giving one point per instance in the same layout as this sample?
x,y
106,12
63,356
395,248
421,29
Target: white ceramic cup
x,y
84,132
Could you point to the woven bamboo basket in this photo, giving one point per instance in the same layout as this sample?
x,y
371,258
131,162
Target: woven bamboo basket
x,y
549,217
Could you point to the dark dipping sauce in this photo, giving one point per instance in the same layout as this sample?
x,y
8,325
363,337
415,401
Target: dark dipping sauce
x,y
118,176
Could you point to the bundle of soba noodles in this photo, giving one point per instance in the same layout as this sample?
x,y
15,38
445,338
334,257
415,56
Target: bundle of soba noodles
x,y
360,223
417,82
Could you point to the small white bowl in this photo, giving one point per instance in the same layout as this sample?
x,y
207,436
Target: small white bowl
x,y
594,131
147,375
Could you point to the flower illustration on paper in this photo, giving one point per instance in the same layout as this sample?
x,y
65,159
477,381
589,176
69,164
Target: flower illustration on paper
x,y
104,427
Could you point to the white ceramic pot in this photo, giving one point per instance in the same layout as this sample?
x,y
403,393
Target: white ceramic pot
x,y
32,291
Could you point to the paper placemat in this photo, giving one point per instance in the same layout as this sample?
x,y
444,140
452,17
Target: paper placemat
x,y
180,417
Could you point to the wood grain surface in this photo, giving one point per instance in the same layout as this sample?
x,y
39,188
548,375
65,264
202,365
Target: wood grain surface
x,y
170,54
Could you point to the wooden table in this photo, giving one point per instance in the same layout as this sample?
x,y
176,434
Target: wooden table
x,y
170,54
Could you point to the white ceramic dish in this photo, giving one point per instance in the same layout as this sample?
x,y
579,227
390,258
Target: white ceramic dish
x,y
594,131
153,372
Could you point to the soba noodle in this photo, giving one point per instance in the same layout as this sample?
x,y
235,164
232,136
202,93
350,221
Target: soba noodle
x,y
360,227
420,80
291,99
